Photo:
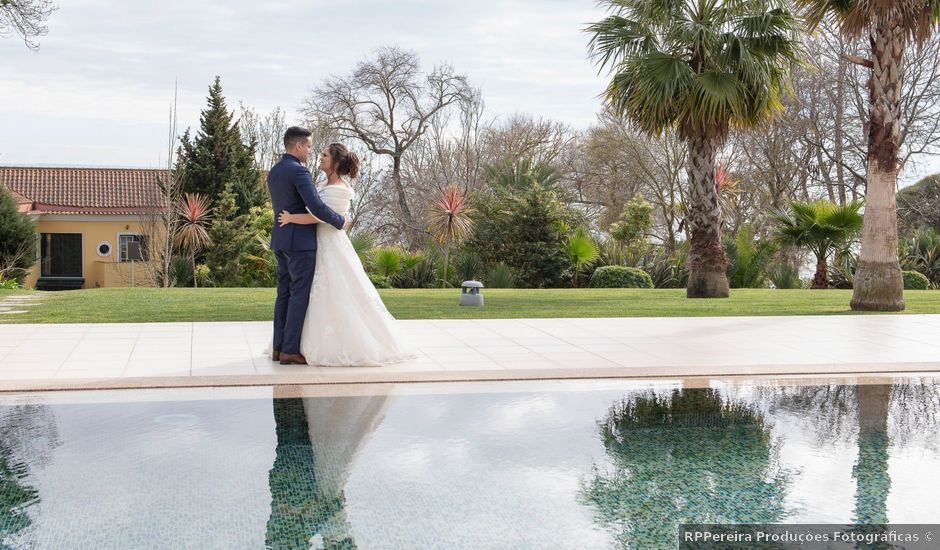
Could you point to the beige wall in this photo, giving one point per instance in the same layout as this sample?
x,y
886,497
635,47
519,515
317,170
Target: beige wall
x,y
98,271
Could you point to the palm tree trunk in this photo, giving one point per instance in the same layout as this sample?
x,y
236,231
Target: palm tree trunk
x,y
872,483
708,263
192,256
878,282
821,279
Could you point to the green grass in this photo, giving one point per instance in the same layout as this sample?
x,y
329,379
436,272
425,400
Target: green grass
x,y
250,304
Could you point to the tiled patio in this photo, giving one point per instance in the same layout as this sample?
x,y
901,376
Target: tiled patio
x,y
73,356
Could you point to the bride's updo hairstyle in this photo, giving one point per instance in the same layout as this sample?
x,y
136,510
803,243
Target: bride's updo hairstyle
x,y
345,162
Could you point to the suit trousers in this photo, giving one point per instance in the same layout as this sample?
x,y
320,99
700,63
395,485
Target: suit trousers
x,y
295,271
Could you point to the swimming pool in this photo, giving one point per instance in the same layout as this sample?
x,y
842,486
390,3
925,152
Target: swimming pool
x,y
564,464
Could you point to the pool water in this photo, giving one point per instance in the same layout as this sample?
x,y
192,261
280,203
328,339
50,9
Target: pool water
x,y
577,464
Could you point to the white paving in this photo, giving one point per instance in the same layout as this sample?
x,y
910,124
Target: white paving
x,y
68,356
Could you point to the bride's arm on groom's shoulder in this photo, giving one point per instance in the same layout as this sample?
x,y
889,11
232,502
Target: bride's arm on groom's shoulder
x,y
286,217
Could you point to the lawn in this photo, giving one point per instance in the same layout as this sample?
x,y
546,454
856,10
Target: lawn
x,y
243,304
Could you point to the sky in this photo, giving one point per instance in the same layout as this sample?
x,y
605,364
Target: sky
x,y
99,89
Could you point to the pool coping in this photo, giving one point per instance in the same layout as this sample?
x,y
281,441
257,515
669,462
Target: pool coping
x,y
231,354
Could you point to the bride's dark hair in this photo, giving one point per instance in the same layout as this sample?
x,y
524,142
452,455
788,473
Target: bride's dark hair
x,y
345,162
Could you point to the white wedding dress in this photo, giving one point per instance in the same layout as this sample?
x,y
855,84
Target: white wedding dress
x,y
347,324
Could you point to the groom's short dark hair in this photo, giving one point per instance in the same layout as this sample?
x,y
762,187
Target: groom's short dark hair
x,y
295,134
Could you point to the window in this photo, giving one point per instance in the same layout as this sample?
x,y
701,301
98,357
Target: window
x,y
61,254
104,249
124,240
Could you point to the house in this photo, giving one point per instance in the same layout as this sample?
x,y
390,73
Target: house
x,y
90,221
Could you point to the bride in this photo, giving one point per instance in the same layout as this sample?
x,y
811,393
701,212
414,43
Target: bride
x,y
346,324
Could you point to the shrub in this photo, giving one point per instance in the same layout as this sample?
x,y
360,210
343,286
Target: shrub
x,y
420,271
613,276
379,281
748,259
17,238
500,276
921,252
387,261
203,275
181,271
785,276
8,284
667,270
915,281
468,266
842,272
363,244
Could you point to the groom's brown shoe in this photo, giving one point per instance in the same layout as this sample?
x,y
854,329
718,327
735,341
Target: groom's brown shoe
x,y
293,359
276,356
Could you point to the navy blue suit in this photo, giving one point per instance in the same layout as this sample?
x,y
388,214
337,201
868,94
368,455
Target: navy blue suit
x,y
295,247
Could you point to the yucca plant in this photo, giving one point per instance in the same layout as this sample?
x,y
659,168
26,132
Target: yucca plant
x,y
699,68
450,221
821,226
889,26
180,272
499,276
192,234
419,273
921,253
583,253
468,265
784,276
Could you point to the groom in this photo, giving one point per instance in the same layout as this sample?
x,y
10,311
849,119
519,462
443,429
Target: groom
x,y
294,245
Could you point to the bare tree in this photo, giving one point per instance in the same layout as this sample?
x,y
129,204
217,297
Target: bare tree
x,y
161,223
265,133
26,18
623,162
523,136
387,103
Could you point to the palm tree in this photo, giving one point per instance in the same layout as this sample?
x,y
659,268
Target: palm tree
x,y
820,225
670,464
583,253
192,235
700,68
450,221
889,25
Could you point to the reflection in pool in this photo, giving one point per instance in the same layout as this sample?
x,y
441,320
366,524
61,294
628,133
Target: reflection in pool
x,y
507,465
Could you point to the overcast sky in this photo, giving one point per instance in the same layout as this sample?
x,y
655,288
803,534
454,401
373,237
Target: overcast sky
x,y
98,90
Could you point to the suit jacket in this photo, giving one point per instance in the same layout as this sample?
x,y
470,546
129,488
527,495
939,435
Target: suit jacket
x,y
291,188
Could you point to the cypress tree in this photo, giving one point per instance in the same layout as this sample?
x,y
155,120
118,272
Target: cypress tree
x,y
217,159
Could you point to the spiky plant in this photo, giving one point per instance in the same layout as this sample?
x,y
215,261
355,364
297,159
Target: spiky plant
x,y
192,232
450,221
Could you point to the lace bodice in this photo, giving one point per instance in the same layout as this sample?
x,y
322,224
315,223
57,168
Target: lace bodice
x,y
337,197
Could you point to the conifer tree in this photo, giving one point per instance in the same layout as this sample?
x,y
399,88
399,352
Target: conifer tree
x,y
217,159
17,239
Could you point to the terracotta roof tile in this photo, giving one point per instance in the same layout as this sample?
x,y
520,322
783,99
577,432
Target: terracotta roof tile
x,y
83,190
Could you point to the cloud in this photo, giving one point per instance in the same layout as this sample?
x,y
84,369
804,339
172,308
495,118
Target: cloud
x,y
114,63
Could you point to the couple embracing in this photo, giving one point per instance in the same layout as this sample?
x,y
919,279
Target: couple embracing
x,y
327,312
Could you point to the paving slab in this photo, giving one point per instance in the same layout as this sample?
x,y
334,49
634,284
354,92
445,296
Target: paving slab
x,y
159,355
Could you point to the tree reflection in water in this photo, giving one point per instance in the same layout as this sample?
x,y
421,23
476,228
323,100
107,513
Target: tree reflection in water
x,y
688,456
28,434
862,411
